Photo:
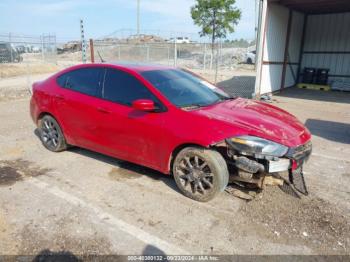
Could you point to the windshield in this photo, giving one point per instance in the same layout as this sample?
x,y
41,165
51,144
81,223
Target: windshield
x,y
184,89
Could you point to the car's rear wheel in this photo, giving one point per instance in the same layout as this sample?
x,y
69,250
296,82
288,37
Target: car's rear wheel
x,y
200,173
51,134
249,61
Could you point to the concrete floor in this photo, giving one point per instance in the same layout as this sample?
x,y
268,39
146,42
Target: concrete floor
x,y
327,116
82,202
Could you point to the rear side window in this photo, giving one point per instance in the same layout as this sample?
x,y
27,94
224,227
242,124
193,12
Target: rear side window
x,y
124,88
84,80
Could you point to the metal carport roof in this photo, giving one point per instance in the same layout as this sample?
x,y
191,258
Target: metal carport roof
x,y
317,6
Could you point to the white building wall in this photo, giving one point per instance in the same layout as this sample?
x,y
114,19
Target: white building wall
x,y
271,78
328,33
275,41
324,33
276,33
296,37
294,49
274,48
291,76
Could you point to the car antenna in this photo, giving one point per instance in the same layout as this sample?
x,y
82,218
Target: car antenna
x,y
102,61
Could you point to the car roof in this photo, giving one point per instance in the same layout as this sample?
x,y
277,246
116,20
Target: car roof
x,y
140,67
131,66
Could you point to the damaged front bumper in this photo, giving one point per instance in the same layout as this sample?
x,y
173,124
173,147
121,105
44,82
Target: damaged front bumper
x,y
299,155
264,170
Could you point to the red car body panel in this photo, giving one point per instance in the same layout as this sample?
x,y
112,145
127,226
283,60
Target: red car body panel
x,y
149,138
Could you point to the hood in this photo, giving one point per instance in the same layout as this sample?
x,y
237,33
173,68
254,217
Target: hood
x,y
259,119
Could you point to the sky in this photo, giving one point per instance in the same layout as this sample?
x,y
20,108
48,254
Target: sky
x,y
103,17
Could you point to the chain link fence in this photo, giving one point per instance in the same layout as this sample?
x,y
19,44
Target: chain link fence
x,y
20,48
194,55
225,64
35,57
25,59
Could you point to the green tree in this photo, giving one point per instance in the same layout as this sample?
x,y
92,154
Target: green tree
x,y
215,17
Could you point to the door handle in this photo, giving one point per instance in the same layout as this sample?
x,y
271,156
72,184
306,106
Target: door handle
x,y
103,110
61,97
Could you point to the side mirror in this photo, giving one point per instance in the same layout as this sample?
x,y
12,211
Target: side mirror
x,y
145,105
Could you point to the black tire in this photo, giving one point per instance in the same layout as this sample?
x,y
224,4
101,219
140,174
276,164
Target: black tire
x,y
249,61
200,173
51,134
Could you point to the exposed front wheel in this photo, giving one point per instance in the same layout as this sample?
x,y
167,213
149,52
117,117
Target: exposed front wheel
x,y
200,173
51,134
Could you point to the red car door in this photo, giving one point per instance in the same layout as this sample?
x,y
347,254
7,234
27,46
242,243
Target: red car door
x,y
76,104
125,132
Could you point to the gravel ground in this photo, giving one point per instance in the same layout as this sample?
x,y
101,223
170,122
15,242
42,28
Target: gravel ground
x,y
80,202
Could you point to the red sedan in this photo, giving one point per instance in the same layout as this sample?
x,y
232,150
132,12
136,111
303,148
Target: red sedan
x,y
172,121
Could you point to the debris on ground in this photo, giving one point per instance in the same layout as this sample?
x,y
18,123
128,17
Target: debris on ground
x,y
239,193
266,98
311,220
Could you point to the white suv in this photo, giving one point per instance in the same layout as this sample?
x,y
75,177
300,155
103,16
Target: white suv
x,y
180,40
250,57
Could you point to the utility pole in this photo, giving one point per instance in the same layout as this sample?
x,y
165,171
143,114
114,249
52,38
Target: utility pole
x,y
10,41
257,13
138,17
83,43
175,52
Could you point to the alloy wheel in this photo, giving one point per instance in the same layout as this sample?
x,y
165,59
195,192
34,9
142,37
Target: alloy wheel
x,y
195,175
49,134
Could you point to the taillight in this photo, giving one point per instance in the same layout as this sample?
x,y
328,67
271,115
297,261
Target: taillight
x,y
33,87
